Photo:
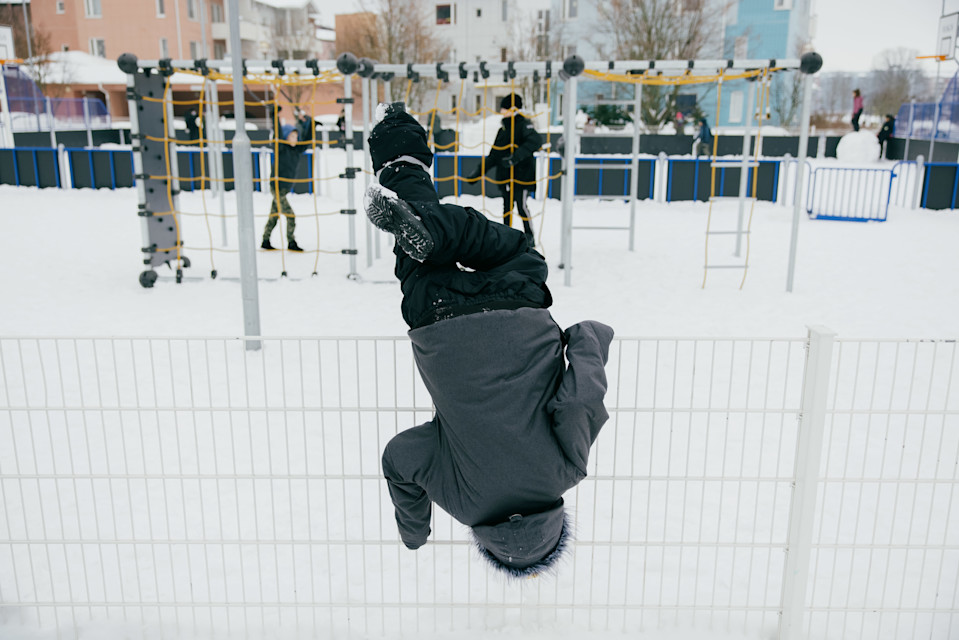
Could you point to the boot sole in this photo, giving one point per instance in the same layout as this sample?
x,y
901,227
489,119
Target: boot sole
x,y
397,217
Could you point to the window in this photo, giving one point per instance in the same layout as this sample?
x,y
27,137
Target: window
x,y
569,50
61,6
505,10
216,12
164,48
572,9
479,103
444,14
783,5
502,54
479,13
161,8
191,9
736,107
219,49
194,50
98,47
92,8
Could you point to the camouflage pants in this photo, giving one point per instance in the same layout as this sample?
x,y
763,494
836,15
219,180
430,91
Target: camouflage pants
x,y
280,206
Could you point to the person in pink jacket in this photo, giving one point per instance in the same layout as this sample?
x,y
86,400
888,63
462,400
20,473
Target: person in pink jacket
x,y
856,109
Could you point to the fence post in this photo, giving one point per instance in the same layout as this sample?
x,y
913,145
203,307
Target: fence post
x,y
917,183
802,510
569,179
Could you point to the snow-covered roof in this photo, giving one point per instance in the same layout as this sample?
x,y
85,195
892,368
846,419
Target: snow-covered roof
x,y
78,67
326,34
286,4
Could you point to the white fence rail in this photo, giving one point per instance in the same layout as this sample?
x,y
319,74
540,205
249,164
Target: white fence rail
x,y
174,486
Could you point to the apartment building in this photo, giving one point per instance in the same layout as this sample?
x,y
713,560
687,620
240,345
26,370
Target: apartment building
x,y
148,28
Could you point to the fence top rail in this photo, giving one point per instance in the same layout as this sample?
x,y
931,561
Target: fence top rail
x,y
396,338
436,69
102,338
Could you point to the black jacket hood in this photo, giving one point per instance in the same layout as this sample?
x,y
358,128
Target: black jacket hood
x,y
398,134
525,545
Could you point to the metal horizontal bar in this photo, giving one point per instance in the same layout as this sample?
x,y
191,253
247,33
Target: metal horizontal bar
x,y
484,604
341,477
734,164
724,233
725,266
251,65
393,542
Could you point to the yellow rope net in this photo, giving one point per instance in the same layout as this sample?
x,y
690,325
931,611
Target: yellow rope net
x,y
303,95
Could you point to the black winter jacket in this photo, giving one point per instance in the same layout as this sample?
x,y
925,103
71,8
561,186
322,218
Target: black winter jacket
x,y
512,430
518,139
288,156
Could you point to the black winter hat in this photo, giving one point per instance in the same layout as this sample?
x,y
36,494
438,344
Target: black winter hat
x,y
398,134
510,101
525,546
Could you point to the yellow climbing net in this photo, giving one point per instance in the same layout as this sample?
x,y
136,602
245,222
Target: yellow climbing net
x,y
293,90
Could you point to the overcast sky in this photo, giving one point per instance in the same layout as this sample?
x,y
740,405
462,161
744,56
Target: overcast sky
x,y
849,33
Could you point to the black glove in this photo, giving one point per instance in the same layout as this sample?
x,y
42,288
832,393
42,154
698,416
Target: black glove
x,y
509,161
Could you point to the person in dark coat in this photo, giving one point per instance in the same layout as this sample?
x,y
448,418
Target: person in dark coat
x,y
887,131
705,138
192,127
294,139
511,159
496,460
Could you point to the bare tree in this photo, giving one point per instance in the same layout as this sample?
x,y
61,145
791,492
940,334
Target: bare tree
x,y
785,93
896,79
658,30
532,35
400,33
49,75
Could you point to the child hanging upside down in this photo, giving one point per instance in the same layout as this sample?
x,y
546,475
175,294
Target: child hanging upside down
x,y
518,401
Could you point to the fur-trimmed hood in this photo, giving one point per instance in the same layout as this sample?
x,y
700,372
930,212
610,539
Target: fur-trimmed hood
x,y
525,545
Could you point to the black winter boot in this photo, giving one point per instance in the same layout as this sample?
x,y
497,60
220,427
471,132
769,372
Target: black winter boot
x,y
389,213
292,246
266,245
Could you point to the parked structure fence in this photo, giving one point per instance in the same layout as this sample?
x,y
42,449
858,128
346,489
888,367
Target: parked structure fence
x,y
189,484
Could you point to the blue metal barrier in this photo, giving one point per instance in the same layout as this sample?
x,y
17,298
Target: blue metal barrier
x,y
849,193
940,185
46,172
727,179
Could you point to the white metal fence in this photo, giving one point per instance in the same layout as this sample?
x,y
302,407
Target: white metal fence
x,y
173,486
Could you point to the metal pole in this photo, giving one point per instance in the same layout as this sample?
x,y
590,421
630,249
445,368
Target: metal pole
x,y
800,171
634,181
6,123
935,120
569,179
802,510
86,121
53,126
243,188
214,134
350,174
26,28
203,51
744,167
366,86
912,113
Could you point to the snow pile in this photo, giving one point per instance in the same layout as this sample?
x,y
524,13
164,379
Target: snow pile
x,y
860,147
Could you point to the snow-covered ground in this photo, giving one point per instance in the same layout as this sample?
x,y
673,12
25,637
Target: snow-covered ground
x,y
73,258
72,262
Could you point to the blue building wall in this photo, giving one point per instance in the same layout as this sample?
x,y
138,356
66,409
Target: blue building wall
x,y
769,33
